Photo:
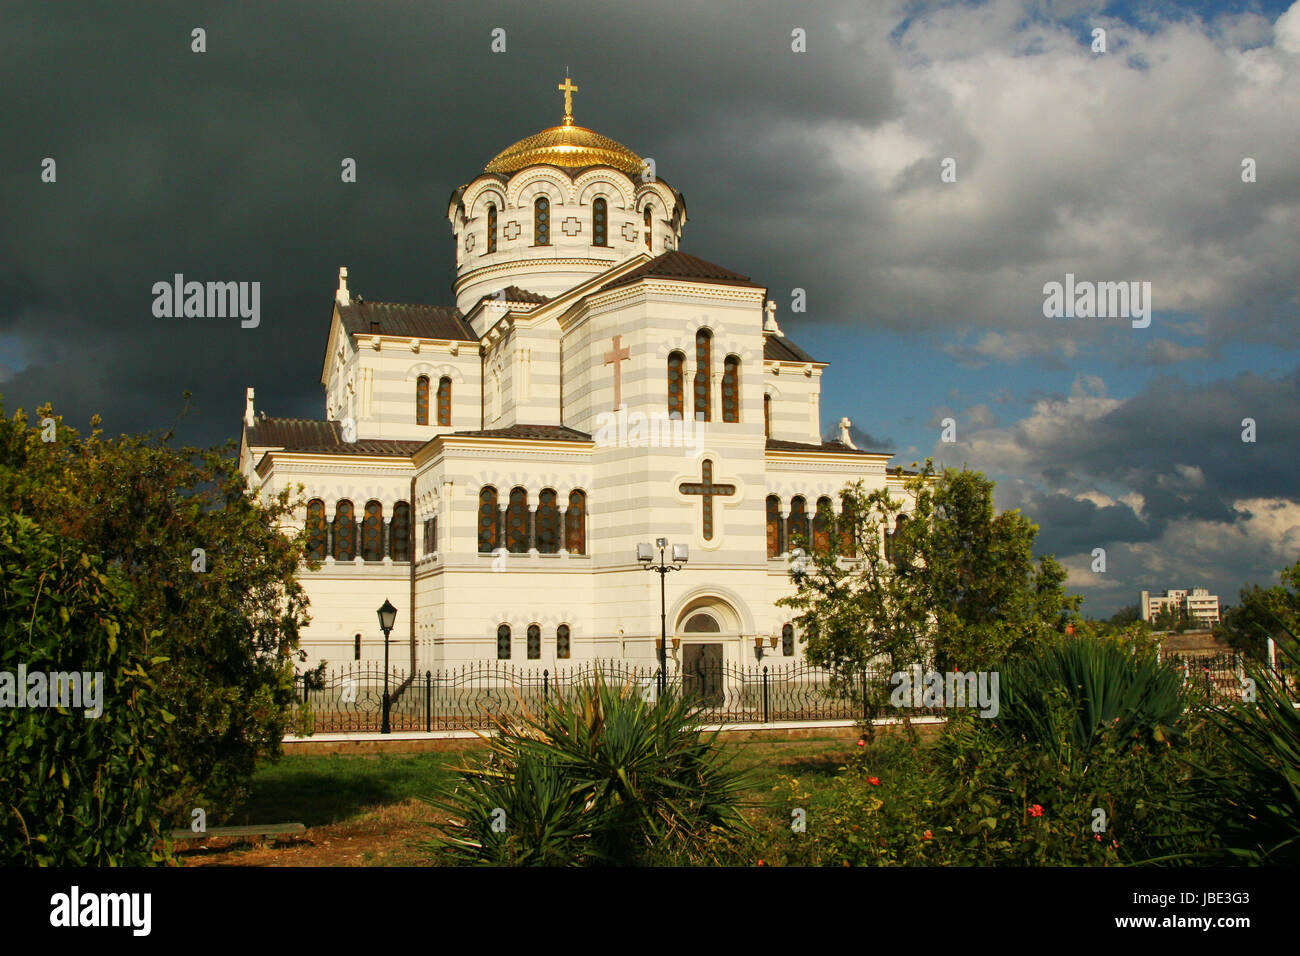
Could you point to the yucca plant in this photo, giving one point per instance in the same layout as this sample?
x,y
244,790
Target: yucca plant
x,y
1255,807
598,776
1111,686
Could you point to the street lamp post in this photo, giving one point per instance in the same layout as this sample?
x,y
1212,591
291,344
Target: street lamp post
x,y
387,617
645,554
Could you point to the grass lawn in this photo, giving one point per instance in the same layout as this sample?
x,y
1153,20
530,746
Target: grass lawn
x,y
366,811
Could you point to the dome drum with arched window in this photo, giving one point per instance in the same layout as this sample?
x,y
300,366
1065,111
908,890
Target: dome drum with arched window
x,y
558,207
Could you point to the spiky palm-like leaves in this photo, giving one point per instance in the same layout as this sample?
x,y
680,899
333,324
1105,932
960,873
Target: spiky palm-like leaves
x,y
1110,687
599,776
1257,809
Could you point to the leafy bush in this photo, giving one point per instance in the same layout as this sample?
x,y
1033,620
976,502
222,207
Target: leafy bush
x,y
226,618
1086,763
77,790
976,798
599,776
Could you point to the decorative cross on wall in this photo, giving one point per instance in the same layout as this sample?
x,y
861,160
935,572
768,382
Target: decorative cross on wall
x,y
512,229
571,226
615,358
629,232
707,490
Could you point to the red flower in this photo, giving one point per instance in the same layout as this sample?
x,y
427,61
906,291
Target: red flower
x,y
862,743
1098,836
1036,811
928,835
874,781
761,863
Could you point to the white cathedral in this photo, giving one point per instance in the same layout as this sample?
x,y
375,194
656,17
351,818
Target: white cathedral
x,y
490,467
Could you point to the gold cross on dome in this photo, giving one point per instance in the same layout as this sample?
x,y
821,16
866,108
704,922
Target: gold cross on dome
x,y
568,89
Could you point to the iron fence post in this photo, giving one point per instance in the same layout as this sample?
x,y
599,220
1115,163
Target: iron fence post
x,y
546,686
428,701
765,693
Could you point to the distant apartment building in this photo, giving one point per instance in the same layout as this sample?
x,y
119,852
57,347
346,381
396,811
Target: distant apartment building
x,y
1198,605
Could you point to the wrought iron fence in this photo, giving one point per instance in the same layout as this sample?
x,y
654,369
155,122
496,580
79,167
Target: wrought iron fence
x,y
473,695
1222,676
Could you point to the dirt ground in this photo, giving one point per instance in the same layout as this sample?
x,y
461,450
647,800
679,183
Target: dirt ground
x,y
385,836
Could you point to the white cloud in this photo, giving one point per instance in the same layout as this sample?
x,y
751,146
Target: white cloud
x,y
1117,167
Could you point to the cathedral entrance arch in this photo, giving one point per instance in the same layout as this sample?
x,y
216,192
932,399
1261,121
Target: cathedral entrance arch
x,y
705,627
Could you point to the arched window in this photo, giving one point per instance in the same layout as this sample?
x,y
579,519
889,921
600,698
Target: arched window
x,y
676,385
891,549
798,523
787,640
891,546
542,221
848,544
372,532
648,237
356,648
492,228
562,642
703,360
503,642
534,642
731,389
822,523
444,401
517,522
317,531
575,524
399,532
767,416
599,223
345,532
702,624
548,522
489,520
422,400
774,542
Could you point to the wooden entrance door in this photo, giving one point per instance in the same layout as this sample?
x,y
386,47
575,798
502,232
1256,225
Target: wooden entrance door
x,y
702,673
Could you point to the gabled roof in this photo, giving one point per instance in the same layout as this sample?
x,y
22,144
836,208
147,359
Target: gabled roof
x,y
308,435
777,348
512,293
826,447
543,432
404,319
676,264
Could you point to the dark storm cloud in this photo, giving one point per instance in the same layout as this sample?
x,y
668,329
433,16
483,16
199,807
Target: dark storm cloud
x,y
225,166
1069,525
1177,444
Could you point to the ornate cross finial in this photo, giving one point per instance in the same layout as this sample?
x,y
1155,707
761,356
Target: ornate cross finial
x,y
342,296
568,89
845,437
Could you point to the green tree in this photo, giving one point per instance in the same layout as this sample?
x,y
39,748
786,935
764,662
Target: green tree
x,y
959,580
226,616
1128,614
80,779
1263,613
1166,619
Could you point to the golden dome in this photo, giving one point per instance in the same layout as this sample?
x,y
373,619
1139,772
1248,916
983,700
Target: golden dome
x,y
567,146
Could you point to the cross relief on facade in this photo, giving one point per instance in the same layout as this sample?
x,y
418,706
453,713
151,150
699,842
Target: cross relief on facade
x,y
707,491
571,226
616,357
511,230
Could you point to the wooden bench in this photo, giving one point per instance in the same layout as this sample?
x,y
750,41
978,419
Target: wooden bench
x,y
257,830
